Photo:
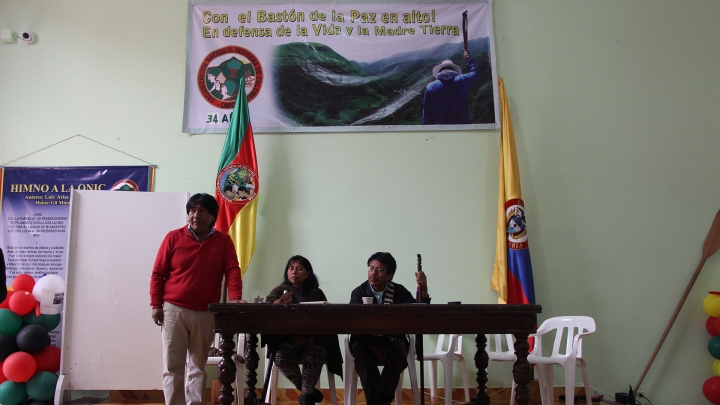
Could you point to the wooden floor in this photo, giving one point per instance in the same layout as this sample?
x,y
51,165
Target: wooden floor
x,y
290,397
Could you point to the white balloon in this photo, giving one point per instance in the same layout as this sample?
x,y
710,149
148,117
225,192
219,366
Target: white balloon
x,y
49,291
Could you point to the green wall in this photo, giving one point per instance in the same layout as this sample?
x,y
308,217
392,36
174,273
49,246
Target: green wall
x,y
615,106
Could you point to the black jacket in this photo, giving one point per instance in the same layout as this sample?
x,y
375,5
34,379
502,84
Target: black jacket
x,y
401,295
328,342
3,290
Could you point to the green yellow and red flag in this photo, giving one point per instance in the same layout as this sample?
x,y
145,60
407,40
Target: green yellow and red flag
x,y
237,185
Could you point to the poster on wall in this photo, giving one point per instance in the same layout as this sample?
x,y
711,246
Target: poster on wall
x,y
34,211
341,66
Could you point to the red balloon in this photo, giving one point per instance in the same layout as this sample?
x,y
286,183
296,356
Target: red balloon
x,y
23,282
6,303
48,359
711,326
711,390
22,302
19,367
2,375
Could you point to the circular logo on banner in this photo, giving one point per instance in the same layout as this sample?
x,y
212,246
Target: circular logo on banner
x,y
237,183
220,72
516,228
125,185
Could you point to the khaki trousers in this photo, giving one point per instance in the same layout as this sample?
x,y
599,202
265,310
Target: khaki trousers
x,y
187,336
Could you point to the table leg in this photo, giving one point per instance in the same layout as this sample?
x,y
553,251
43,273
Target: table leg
x,y
521,369
251,364
227,369
481,363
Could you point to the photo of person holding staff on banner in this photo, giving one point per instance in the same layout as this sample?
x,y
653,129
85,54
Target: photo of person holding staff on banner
x,y
446,99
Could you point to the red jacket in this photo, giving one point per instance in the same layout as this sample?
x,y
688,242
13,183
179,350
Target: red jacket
x,y
189,273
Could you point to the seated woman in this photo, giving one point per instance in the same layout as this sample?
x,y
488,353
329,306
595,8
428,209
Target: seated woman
x,y
312,351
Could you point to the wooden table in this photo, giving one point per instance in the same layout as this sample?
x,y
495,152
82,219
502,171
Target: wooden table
x,y
253,319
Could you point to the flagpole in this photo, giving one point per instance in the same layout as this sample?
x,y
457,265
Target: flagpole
x,y
419,339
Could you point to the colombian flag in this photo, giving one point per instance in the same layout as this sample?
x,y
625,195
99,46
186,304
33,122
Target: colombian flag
x,y
512,275
237,186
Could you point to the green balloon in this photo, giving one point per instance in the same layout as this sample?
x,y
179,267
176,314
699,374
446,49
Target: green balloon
x,y
10,323
12,393
714,347
41,386
49,322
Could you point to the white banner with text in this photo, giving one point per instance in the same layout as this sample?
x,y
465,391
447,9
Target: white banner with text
x,y
341,66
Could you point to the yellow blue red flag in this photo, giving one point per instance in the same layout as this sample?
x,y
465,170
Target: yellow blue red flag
x,y
237,185
512,274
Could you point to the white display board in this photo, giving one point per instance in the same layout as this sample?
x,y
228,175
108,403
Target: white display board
x,y
110,341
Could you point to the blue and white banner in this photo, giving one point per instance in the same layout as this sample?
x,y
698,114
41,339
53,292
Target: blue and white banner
x,y
35,208
341,66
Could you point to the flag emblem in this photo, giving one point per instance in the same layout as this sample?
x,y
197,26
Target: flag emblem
x,y
125,185
516,227
237,183
220,73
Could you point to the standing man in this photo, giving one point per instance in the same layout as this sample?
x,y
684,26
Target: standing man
x,y
445,100
186,278
368,350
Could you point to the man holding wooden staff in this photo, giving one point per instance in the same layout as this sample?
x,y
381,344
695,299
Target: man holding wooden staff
x,y
369,350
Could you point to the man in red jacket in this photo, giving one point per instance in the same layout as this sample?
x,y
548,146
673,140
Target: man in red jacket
x,y
186,278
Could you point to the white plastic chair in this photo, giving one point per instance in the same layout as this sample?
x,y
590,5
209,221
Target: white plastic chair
x,y
569,334
501,350
271,395
501,347
447,355
351,377
239,375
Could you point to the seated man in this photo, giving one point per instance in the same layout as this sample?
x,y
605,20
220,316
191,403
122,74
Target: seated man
x,y
368,350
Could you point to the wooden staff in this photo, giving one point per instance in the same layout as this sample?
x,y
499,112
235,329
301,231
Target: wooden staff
x,y
711,245
465,29
419,338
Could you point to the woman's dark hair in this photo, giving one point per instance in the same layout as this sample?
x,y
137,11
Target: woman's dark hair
x,y
385,258
311,281
204,200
